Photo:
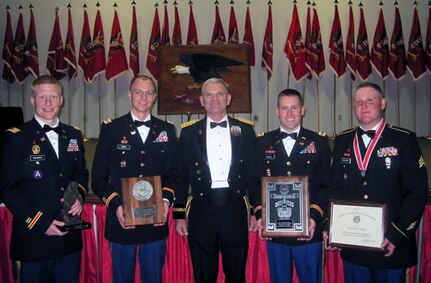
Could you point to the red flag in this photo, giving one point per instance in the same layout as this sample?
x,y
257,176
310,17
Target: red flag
x,y
428,41
192,34
294,48
233,28
363,65
176,34
267,48
380,50
350,45
307,43
133,48
97,63
8,51
117,62
336,52
69,49
18,68
31,61
397,53
55,63
84,49
248,39
316,50
416,54
165,40
153,46
218,36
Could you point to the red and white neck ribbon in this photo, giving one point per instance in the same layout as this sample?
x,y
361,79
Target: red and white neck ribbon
x,y
363,163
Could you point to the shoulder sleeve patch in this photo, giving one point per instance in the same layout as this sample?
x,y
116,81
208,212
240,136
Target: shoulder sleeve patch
x,y
13,130
247,121
188,123
106,122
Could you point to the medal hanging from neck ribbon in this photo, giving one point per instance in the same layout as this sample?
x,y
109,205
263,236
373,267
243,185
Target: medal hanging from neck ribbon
x,y
363,163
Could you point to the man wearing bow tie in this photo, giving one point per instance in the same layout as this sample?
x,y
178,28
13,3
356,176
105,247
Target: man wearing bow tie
x,y
217,159
292,150
39,160
135,145
379,163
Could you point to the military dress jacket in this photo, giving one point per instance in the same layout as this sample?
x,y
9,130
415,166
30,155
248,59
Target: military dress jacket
x,y
310,156
121,153
194,172
34,181
396,176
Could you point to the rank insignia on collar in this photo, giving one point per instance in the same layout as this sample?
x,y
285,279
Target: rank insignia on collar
x,y
35,149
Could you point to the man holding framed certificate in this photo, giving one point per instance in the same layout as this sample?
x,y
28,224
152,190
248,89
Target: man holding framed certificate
x,y
296,165
379,192
134,172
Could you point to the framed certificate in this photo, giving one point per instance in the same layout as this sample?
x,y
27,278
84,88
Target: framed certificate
x,y
285,206
142,200
360,225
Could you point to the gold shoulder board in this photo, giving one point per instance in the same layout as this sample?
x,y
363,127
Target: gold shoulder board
x,y
247,121
189,123
106,122
13,130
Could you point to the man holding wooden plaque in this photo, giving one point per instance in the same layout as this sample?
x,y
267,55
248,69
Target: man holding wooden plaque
x,y
380,188
296,165
133,173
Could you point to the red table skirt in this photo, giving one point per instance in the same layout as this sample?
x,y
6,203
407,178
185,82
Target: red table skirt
x,y
96,263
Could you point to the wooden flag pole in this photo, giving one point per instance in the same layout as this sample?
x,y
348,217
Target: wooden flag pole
x,y
68,103
100,101
115,98
23,98
351,103
398,104
335,107
85,110
267,105
414,106
384,94
317,106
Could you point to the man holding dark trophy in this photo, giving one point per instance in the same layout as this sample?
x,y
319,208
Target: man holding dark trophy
x,y
44,182
133,174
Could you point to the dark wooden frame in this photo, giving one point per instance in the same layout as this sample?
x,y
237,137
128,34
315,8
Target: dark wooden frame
x,y
174,94
130,203
361,204
303,211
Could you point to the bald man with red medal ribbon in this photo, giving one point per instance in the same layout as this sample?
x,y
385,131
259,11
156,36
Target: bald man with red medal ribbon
x,y
378,163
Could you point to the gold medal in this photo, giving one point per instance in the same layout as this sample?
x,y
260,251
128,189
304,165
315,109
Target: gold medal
x,y
35,149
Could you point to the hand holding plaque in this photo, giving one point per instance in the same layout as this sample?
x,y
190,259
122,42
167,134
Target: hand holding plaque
x,y
72,222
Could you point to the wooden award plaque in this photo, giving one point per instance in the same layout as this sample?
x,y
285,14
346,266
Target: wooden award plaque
x,y
142,200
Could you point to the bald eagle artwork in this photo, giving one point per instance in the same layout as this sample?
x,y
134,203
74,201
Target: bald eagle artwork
x,y
203,66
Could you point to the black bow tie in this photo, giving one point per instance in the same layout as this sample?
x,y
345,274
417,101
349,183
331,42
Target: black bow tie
x,y
370,133
47,128
140,123
221,124
292,135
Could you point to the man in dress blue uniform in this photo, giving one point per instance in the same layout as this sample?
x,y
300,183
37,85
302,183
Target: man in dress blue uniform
x,y
136,144
39,160
217,159
293,150
379,163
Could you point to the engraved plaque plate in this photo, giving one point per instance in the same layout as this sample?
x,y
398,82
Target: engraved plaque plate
x,y
142,200
285,206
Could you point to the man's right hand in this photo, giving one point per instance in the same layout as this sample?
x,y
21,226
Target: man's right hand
x,y
120,217
325,242
53,229
181,227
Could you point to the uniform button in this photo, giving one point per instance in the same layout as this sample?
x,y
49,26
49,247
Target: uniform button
x,y
196,163
241,160
140,176
201,194
289,173
267,162
142,151
365,183
61,188
308,161
37,162
199,179
123,152
365,196
61,175
288,163
239,176
238,191
142,164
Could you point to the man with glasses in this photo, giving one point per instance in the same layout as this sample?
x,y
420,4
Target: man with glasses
x,y
134,145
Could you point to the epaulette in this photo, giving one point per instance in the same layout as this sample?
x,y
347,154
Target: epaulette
x,y
167,121
189,123
399,129
106,122
13,130
261,134
322,134
76,127
347,131
247,121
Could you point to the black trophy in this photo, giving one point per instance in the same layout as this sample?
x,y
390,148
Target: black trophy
x,y
72,222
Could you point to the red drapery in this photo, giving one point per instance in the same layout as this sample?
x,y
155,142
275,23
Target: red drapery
x,y
96,263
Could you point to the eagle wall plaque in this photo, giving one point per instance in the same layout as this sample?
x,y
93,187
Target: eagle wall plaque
x,y
183,69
